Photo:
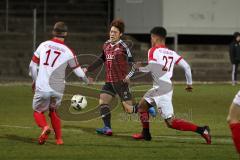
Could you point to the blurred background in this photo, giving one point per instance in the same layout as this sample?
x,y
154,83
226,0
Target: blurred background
x,y
199,30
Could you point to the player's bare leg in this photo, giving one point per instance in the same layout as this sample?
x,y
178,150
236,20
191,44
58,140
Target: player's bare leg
x,y
105,112
234,114
144,117
128,106
234,124
182,125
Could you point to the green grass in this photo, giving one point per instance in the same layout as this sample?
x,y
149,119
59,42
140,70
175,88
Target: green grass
x,y
208,104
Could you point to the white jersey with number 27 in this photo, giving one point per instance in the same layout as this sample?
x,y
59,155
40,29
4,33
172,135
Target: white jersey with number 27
x,y
161,61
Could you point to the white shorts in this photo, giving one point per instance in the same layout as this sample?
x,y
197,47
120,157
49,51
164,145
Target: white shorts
x,y
162,101
43,101
236,100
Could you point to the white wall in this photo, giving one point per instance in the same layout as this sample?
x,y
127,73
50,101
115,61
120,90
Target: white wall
x,y
202,16
180,16
139,15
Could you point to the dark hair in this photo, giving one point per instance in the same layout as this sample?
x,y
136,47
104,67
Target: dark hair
x,y
235,34
59,29
118,23
159,31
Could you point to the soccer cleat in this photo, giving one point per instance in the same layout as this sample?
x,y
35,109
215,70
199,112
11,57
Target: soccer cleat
x,y
105,130
44,135
137,136
206,134
152,111
59,142
146,135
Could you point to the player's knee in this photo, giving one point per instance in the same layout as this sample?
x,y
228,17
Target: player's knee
x,y
141,110
105,99
231,120
52,109
143,106
102,101
228,120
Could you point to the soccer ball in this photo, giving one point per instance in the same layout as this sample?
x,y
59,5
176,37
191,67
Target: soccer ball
x,y
78,102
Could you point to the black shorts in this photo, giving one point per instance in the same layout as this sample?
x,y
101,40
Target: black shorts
x,y
120,88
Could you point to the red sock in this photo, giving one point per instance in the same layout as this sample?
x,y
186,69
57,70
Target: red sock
x,y
182,125
144,117
40,119
56,124
235,128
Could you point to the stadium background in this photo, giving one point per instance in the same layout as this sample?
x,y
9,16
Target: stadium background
x,y
199,30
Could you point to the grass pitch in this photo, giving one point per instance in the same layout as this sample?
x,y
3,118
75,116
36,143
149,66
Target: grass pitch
x,y
208,104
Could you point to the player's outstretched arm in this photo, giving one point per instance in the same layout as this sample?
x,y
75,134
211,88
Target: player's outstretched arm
x,y
144,69
80,73
100,60
136,67
188,74
130,74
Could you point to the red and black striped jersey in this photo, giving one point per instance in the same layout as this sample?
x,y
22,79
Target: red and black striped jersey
x,y
116,58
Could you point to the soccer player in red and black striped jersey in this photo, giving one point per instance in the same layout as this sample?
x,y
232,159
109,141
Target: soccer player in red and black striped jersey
x,y
117,59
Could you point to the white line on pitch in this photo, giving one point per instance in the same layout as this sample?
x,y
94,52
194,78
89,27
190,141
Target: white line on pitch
x,y
27,127
221,140
12,126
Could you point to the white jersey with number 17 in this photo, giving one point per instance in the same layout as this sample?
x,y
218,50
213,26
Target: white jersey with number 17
x,y
53,56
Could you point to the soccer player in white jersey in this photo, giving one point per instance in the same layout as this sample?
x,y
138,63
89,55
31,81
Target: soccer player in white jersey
x,y
161,62
47,69
233,121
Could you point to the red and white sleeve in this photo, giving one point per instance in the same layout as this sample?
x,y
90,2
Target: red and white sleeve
x,y
73,62
187,69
